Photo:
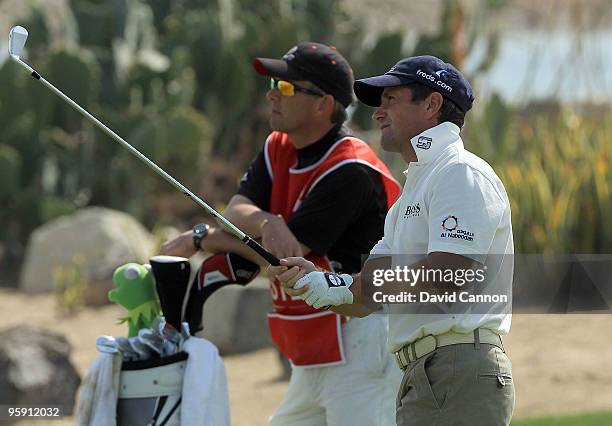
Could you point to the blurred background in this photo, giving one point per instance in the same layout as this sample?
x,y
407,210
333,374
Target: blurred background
x,y
173,78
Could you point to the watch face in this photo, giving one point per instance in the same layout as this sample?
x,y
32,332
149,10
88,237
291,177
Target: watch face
x,y
199,229
199,232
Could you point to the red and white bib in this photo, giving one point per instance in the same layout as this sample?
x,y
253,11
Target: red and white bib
x,y
308,336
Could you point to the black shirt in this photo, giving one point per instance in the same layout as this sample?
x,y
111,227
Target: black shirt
x,y
343,216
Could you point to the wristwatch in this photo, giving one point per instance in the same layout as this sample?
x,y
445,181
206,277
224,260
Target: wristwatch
x,y
199,232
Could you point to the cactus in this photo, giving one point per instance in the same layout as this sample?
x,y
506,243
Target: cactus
x,y
100,22
75,72
377,60
13,103
174,79
37,40
10,170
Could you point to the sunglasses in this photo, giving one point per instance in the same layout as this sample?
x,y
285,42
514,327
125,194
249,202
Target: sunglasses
x,y
288,89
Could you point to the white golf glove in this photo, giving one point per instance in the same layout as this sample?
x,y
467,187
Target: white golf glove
x,y
325,289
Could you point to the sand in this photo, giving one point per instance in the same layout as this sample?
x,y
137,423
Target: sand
x,y
562,363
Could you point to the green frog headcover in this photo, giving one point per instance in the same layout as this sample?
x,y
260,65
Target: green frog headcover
x,y
135,292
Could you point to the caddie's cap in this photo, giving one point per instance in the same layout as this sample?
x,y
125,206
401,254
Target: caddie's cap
x,y
427,70
315,62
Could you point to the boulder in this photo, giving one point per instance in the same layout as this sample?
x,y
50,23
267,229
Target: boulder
x,y
95,240
35,369
234,318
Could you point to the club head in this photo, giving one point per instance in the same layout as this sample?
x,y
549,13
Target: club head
x,y
17,40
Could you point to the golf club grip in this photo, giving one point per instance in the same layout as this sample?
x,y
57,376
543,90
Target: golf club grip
x,y
254,245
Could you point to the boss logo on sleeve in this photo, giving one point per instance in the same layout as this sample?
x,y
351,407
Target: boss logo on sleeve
x,y
413,210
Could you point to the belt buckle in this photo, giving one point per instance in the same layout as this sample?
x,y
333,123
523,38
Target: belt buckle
x,y
398,360
402,364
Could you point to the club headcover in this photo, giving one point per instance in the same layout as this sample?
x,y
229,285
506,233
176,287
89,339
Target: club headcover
x,y
171,281
215,272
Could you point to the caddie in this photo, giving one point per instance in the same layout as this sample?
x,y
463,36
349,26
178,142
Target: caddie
x,y
453,214
314,190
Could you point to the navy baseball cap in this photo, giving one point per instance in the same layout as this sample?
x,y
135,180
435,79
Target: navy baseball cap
x,y
315,62
427,70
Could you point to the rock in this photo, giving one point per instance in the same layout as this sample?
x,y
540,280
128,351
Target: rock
x,y
35,369
96,292
166,233
94,238
235,319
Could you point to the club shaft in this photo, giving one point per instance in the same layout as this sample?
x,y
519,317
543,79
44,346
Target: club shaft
x,y
254,245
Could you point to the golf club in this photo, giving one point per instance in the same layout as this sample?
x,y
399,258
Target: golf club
x,y
17,39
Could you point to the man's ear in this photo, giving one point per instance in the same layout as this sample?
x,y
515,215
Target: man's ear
x,y
326,103
433,105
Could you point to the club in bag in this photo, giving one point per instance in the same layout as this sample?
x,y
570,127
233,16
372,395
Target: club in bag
x,y
17,40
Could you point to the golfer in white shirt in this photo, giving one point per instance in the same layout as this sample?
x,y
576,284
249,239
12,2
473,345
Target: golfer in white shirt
x,y
453,215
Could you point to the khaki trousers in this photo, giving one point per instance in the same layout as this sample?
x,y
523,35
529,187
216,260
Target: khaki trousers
x,y
464,384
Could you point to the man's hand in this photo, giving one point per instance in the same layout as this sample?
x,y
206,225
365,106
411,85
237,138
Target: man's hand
x,y
277,238
299,277
181,246
289,271
326,289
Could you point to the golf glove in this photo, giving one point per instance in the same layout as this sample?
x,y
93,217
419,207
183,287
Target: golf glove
x,y
325,289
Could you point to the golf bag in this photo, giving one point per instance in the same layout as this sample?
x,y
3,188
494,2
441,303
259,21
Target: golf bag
x,y
187,388
162,376
150,391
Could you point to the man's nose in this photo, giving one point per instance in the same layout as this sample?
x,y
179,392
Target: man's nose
x,y
378,114
272,95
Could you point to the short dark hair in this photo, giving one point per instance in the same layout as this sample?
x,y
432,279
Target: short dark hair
x,y
449,110
339,115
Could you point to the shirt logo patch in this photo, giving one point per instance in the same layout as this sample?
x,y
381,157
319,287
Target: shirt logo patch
x,y
450,225
413,210
423,142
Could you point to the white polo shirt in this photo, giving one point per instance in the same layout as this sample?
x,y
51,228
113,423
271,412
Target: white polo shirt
x,y
452,201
